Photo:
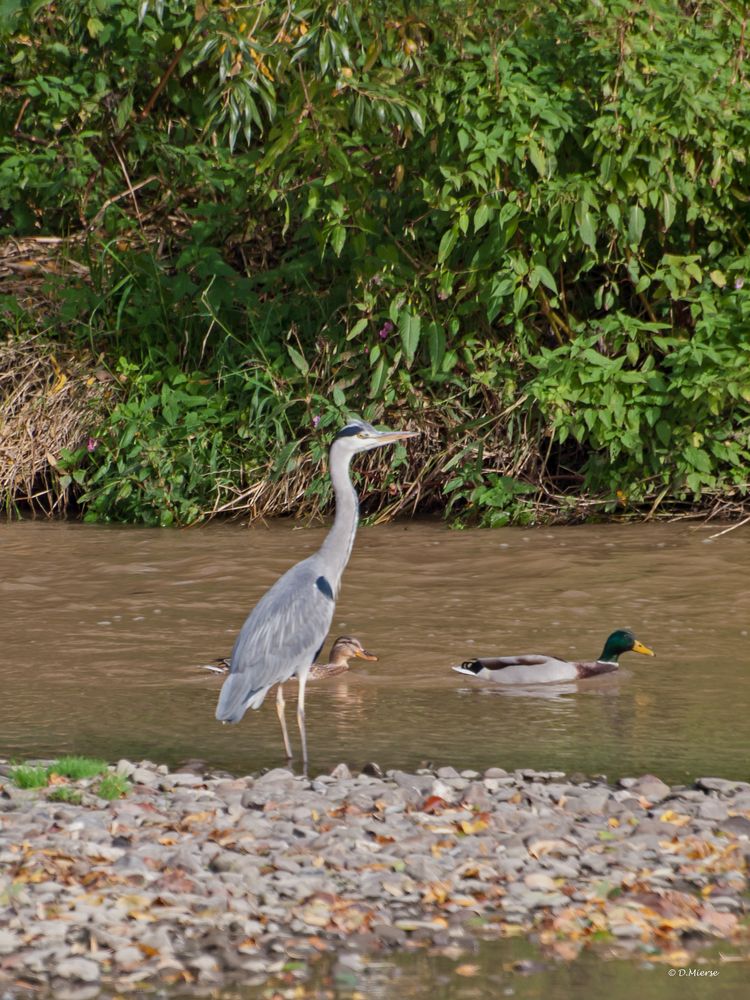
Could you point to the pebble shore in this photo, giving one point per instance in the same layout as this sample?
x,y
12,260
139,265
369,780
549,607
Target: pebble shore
x,y
204,880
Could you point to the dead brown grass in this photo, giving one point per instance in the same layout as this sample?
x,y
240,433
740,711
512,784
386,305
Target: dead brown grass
x,y
50,399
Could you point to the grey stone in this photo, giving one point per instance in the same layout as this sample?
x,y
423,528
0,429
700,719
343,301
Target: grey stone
x,y
83,969
341,773
724,786
129,956
591,802
563,869
423,869
142,776
726,903
737,825
650,787
447,773
626,930
713,809
184,779
10,942
539,882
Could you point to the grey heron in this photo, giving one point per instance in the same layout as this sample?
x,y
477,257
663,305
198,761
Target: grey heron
x,y
286,629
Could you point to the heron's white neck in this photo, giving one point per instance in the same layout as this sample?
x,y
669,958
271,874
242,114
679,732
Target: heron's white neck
x,y
338,545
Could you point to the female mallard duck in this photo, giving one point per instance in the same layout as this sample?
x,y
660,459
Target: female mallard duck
x,y
345,648
536,668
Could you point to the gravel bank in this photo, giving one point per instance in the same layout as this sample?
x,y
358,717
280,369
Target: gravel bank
x,y
208,880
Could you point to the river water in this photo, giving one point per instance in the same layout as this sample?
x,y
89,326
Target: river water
x,y
104,630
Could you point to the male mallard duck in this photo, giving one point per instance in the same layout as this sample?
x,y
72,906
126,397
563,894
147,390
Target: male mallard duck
x,y
536,668
345,648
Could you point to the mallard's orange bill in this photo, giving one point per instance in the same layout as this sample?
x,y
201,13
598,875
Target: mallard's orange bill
x,y
638,647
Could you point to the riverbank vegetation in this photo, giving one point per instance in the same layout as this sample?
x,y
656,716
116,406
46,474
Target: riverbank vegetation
x,y
520,227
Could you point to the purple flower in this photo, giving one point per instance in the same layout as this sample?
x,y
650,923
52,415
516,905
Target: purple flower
x,y
315,420
739,283
92,444
385,329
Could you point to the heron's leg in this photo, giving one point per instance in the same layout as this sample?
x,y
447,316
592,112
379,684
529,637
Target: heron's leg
x,y
280,703
301,713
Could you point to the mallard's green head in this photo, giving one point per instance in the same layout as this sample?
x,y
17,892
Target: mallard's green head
x,y
622,641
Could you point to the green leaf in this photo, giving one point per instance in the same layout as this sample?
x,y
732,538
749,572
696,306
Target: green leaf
x,y
447,243
338,238
481,216
587,231
663,431
698,458
718,278
94,26
358,327
668,210
409,327
378,380
297,360
540,273
435,346
636,224
537,157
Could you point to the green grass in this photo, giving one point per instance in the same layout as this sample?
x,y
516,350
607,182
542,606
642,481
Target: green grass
x,y
76,768
113,786
63,793
73,768
29,776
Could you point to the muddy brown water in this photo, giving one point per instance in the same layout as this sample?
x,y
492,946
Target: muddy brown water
x,y
517,969
104,629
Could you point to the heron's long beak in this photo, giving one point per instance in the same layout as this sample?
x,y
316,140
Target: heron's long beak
x,y
638,647
386,437
362,654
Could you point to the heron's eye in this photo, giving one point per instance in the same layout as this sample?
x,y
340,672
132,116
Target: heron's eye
x,y
363,434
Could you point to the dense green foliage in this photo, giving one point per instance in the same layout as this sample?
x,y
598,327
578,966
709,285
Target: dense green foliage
x,y
522,227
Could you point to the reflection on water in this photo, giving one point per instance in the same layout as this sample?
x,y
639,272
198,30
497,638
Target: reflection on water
x,y
507,968
105,627
515,969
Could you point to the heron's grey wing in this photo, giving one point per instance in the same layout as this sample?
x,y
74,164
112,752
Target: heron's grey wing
x,y
282,634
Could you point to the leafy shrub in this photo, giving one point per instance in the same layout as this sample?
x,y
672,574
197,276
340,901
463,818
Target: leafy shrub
x,y
520,225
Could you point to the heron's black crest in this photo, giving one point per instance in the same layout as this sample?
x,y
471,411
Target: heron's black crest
x,y
324,587
350,430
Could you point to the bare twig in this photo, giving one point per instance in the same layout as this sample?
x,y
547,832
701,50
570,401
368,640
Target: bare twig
x,y
130,190
731,527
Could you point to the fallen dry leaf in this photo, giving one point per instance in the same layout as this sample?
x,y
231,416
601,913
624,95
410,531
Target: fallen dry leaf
x,y
473,826
434,804
676,819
